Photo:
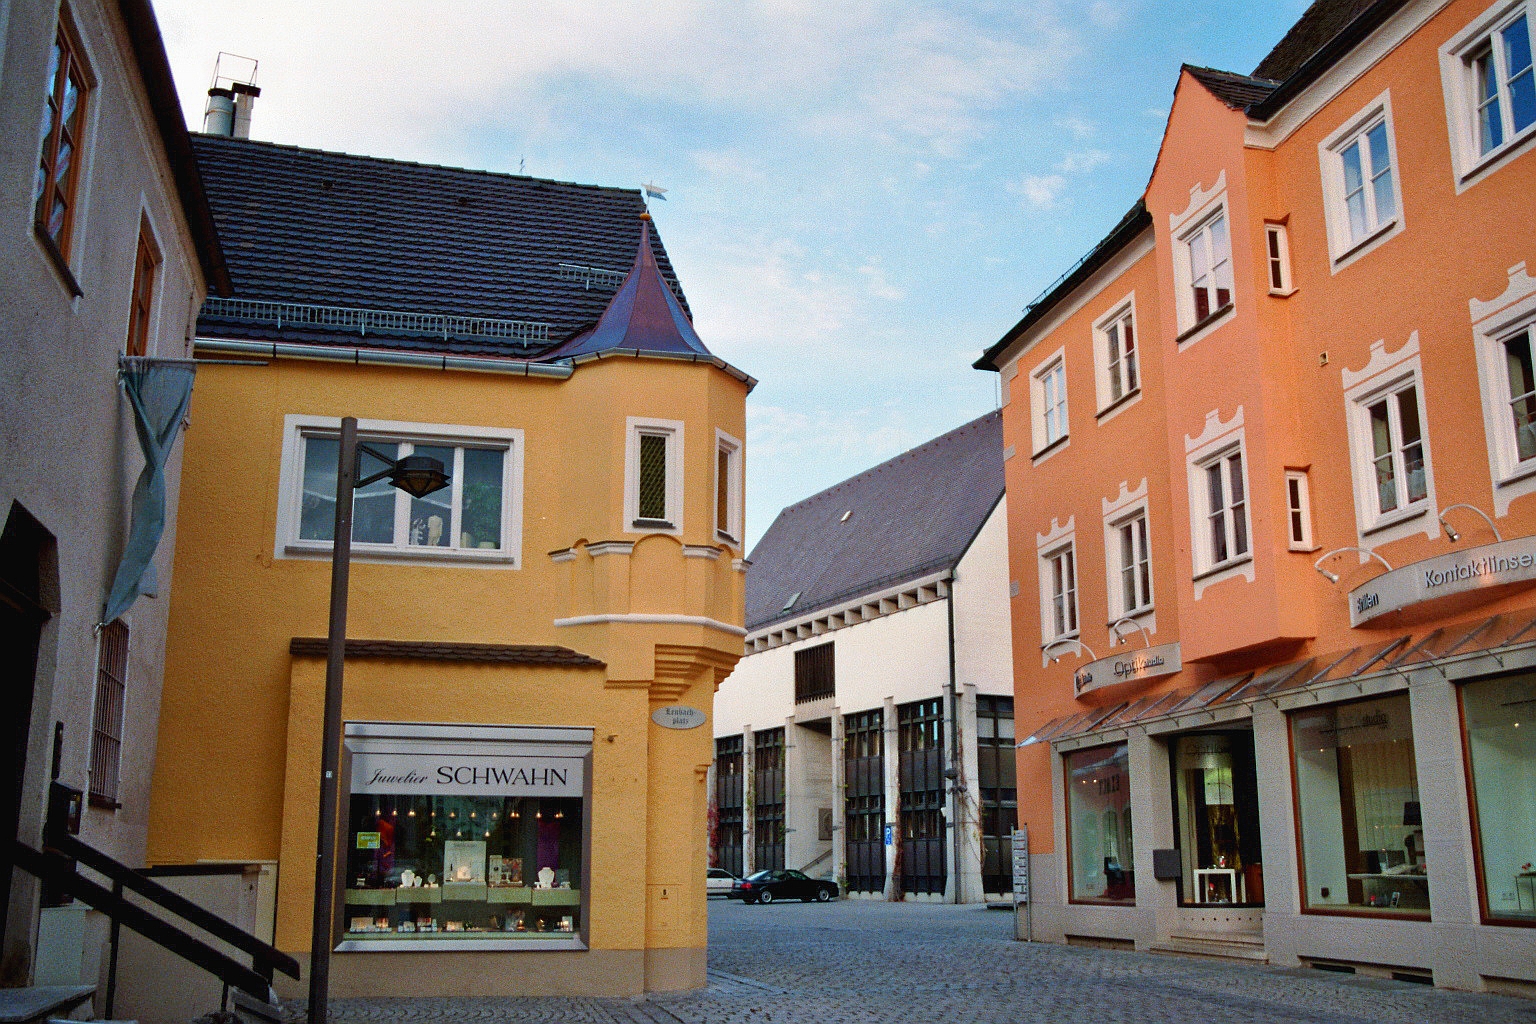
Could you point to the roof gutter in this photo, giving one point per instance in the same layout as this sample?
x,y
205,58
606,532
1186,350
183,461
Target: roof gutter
x,y
380,357
155,71
1327,55
685,357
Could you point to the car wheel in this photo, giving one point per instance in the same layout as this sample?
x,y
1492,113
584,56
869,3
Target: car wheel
x,y
823,895
766,896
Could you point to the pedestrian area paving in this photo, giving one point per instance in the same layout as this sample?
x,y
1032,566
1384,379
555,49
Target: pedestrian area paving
x,y
872,963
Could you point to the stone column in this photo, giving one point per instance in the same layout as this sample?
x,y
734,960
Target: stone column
x,y
892,793
839,802
748,803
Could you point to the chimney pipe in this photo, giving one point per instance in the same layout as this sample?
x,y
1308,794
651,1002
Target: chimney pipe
x,y
230,97
245,99
219,117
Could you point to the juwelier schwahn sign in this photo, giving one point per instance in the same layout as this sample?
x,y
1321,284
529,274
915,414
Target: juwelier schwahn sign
x,y
409,773
1460,572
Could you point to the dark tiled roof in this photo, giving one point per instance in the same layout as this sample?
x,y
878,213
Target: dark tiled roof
x,y
1321,22
914,515
1236,91
427,650
332,229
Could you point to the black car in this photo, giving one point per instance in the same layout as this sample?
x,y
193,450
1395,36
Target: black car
x,y
767,886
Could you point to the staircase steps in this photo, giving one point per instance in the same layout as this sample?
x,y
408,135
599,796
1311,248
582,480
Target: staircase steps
x,y
1245,946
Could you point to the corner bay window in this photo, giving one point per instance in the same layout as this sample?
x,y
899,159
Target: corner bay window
x,y
1227,510
1060,571
1209,251
1397,450
1101,865
1522,392
1357,791
653,477
1135,565
464,835
1500,720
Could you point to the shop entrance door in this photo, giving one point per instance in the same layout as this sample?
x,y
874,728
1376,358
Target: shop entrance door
x,y
864,817
22,615
920,853
1216,819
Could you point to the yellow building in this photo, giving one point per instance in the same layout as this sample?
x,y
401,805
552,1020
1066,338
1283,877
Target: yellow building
x,y
518,820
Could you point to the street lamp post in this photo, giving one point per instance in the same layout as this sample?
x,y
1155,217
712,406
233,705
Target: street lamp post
x,y
417,475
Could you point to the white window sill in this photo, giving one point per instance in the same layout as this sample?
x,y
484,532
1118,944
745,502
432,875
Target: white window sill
x,y
1356,250
1204,327
1221,567
1136,615
1303,549
1523,471
1051,449
1282,293
489,558
1397,517
1484,165
1113,408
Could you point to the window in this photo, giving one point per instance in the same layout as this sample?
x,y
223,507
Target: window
x,y
107,719
768,799
1298,506
1360,189
1490,89
1357,791
476,518
478,842
1521,383
1101,866
1135,564
1226,509
653,481
1060,571
1499,716
1397,450
814,673
1208,251
997,785
1115,356
1049,387
864,799
728,523
58,171
143,298
1277,251
923,850
726,833
1504,331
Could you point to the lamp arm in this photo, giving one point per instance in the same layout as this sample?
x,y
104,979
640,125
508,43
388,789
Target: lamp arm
x,y
1114,630
389,466
1070,640
1486,518
1318,565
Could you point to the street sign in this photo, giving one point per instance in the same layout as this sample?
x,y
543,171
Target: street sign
x,y
1021,864
890,837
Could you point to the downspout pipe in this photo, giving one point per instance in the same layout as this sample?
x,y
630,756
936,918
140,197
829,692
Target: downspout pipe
x,y
952,772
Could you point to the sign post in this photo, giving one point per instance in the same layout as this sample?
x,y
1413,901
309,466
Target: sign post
x,y
1020,844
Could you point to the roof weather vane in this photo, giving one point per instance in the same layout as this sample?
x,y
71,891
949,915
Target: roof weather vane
x,y
653,191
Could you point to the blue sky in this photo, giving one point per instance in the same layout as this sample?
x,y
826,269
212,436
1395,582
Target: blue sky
x,y
863,194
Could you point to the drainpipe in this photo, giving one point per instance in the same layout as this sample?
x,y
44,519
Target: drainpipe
x,y
952,771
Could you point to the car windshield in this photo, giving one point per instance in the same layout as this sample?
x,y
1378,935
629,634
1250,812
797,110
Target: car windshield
x,y
761,876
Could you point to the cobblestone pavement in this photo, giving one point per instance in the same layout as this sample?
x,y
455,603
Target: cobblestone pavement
x,y
874,963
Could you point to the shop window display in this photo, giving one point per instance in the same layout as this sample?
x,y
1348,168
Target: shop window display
x,y
1099,826
1361,822
1217,813
1500,717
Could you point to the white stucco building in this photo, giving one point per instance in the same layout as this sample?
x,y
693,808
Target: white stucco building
x,y
867,735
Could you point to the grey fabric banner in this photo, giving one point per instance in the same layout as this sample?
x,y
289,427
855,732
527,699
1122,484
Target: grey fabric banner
x,y
159,393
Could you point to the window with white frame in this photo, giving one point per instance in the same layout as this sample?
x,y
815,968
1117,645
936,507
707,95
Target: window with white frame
x,y
1504,332
727,487
1115,355
1277,254
1226,509
1209,251
1397,467
1490,86
1520,383
1048,391
1059,571
1298,507
1134,556
1360,187
653,477
477,517
107,716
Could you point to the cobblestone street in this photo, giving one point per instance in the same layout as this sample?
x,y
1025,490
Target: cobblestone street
x,y
871,963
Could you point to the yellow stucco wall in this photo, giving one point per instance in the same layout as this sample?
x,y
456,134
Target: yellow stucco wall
x,y
241,718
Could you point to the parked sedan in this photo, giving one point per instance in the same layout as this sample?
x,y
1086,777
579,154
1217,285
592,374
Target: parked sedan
x,y
718,882
767,886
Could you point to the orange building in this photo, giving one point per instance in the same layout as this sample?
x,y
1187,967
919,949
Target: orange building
x,y
1269,448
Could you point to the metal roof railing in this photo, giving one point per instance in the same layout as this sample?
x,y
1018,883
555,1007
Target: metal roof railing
x,y
589,276
379,321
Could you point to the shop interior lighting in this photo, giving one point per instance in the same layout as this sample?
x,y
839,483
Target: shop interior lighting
x,y
1450,531
1333,577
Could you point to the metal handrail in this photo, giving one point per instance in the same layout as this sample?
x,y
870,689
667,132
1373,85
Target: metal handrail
x,y
379,320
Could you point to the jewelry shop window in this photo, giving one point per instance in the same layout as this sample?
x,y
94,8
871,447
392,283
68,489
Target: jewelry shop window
x,y
465,837
1102,869
1357,790
1500,718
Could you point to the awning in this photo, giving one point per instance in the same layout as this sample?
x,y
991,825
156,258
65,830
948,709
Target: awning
x,y
1440,651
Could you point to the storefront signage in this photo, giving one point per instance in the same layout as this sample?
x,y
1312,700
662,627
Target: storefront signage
x,y
412,773
1334,726
1134,666
1491,565
679,716
1021,864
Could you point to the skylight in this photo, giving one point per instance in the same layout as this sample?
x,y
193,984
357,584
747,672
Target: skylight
x,y
791,602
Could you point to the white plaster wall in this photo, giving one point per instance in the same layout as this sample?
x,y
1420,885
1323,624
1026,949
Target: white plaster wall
x,y
759,692
808,789
983,629
71,454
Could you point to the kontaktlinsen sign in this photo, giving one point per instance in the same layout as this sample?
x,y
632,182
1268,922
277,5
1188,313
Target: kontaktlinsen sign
x,y
1460,572
1148,663
412,773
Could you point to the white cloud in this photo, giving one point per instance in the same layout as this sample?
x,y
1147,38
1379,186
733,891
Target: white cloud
x,y
1042,190
878,286
1082,162
1079,127
1104,14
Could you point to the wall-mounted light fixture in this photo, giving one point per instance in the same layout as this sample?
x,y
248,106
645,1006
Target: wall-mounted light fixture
x,y
1450,532
1334,577
1116,638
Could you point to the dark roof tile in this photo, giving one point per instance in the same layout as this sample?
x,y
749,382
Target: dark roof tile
x,y
432,650
913,515
1236,91
1320,23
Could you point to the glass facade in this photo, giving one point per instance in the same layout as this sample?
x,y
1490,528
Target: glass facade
x,y
1357,791
1500,717
1102,865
